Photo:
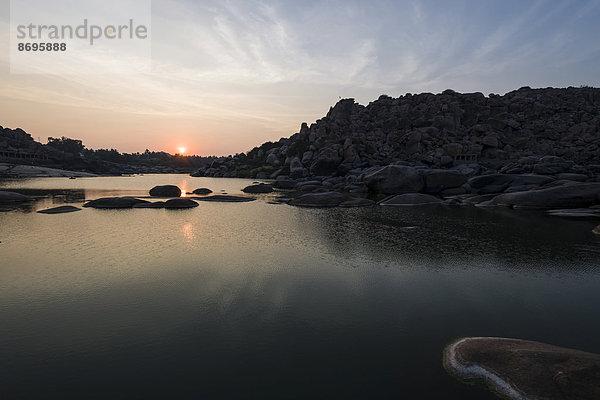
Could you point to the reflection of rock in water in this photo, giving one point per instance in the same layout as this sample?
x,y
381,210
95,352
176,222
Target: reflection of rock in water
x,y
57,196
59,210
445,236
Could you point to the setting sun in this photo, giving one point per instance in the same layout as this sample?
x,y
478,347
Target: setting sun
x,y
181,150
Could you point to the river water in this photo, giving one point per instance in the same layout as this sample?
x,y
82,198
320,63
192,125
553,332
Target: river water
x,y
261,300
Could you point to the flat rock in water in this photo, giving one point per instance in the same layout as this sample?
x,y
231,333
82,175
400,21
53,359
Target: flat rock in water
x,y
180,203
165,191
410,199
59,210
114,202
326,199
567,196
224,198
522,369
260,188
596,230
202,191
12,198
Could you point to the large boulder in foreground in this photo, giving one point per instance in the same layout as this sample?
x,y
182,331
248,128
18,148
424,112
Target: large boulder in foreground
x,y
260,188
13,198
578,195
114,202
410,199
326,199
395,179
165,191
522,369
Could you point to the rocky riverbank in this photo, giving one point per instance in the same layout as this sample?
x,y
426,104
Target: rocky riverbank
x,y
542,131
30,171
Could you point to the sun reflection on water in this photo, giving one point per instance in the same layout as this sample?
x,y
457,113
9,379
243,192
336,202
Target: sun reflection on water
x,y
188,232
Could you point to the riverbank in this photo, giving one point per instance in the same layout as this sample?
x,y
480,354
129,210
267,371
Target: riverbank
x,y
30,171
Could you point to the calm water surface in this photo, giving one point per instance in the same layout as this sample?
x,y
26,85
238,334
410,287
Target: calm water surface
x,y
259,300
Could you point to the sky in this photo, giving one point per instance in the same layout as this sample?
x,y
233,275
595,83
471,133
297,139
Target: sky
x,y
226,76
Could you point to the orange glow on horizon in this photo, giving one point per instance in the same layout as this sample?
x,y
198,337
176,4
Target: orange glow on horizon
x,y
181,150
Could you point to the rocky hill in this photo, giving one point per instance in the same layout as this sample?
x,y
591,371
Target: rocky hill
x,y
545,131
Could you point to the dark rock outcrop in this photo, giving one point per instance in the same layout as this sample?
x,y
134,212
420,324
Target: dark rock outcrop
x,y
114,202
202,191
165,191
180,203
522,369
260,188
13,198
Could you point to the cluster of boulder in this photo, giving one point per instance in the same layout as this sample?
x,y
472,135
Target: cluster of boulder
x,y
541,131
172,199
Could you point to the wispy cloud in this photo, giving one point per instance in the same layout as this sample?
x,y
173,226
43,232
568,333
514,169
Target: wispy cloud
x,y
259,66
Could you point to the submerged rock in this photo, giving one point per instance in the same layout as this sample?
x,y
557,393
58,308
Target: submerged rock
x,y
567,196
356,202
165,191
410,199
114,202
59,210
180,203
224,198
202,191
522,369
260,188
12,197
